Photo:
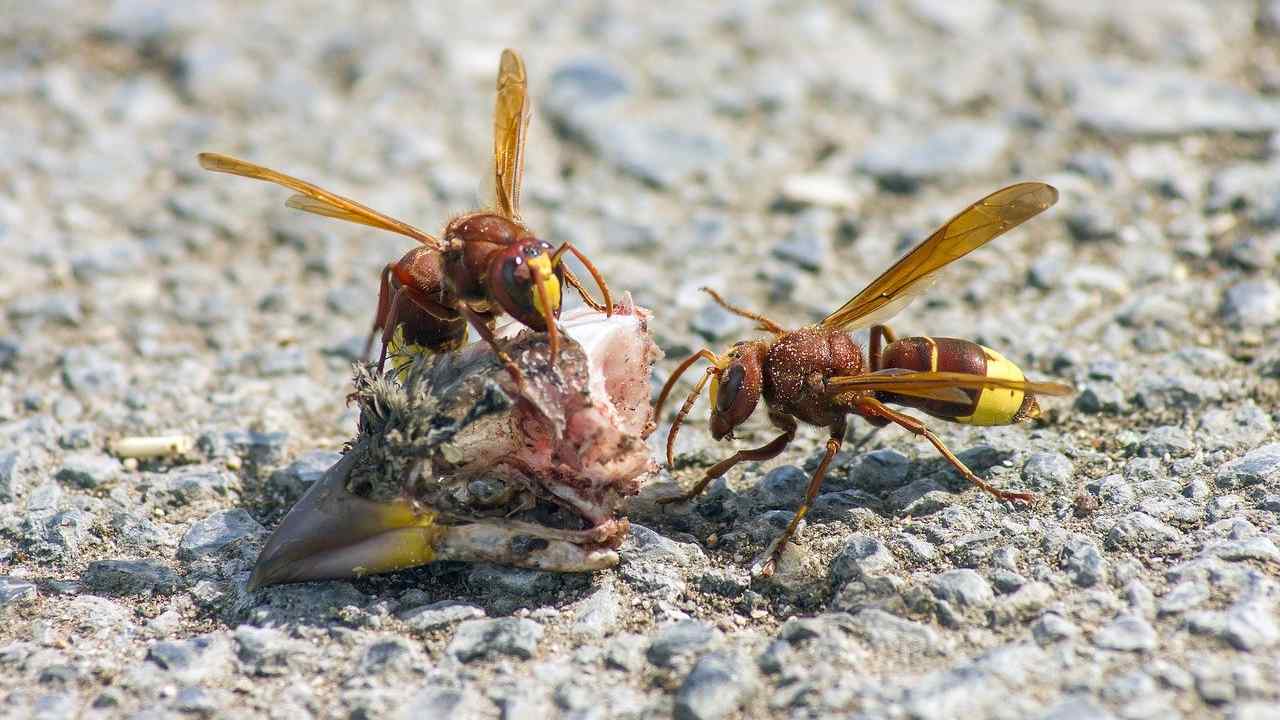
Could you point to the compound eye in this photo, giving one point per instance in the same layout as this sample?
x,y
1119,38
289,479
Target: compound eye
x,y
516,281
730,387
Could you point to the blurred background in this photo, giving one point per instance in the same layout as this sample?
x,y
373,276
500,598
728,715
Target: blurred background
x,y
782,152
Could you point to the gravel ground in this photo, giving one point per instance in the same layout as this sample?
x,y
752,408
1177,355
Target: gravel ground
x,y
783,154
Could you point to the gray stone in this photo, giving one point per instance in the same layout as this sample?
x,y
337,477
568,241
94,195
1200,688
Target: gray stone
x,y
679,640
1252,303
385,656
89,469
59,308
196,483
717,686
15,590
130,577
884,630
1045,471
1091,222
89,372
861,555
265,652
259,449
439,614
13,466
218,533
1051,628
1166,441
958,148
962,587
1129,633
1184,596
479,639
716,324
1083,561
1140,531
1145,102
598,614
783,487
1248,626
1260,465
808,243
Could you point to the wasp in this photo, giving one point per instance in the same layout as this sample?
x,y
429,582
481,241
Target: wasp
x,y
488,262
819,376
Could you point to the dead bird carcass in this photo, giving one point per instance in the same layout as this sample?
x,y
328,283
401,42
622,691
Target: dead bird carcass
x,y
454,461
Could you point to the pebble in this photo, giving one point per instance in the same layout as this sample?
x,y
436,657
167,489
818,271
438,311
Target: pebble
x,y
1166,441
861,555
717,324
1047,471
963,587
679,640
808,244
958,148
1084,562
1251,304
1122,100
717,686
1129,633
1247,626
1139,531
1258,466
484,638
1051,628
130,577
439,614
89,372
89,469
15,590
217,533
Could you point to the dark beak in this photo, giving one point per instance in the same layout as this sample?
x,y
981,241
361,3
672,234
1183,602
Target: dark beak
x,y
333,534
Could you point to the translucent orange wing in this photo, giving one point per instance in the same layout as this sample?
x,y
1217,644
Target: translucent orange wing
x,y
977,225
938,385
315,199
510,121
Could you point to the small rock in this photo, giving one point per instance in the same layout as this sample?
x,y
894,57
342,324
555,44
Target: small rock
x,y
439,614
1047,471
783,487
1051,628
477,639
15,590
264,652
808,243
715,323
89,372
1166,441
1251,303
130,577
861,555
963,587
821,190
1128,633
385,656
1144,102
1140,531
717,686
1092,222
599,613
958,148
1084,562
1260,465
884,630
89,469
1246,626
217,533
677,640
1184,596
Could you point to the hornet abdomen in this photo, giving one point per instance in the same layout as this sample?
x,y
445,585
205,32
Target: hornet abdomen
x,y
989,406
